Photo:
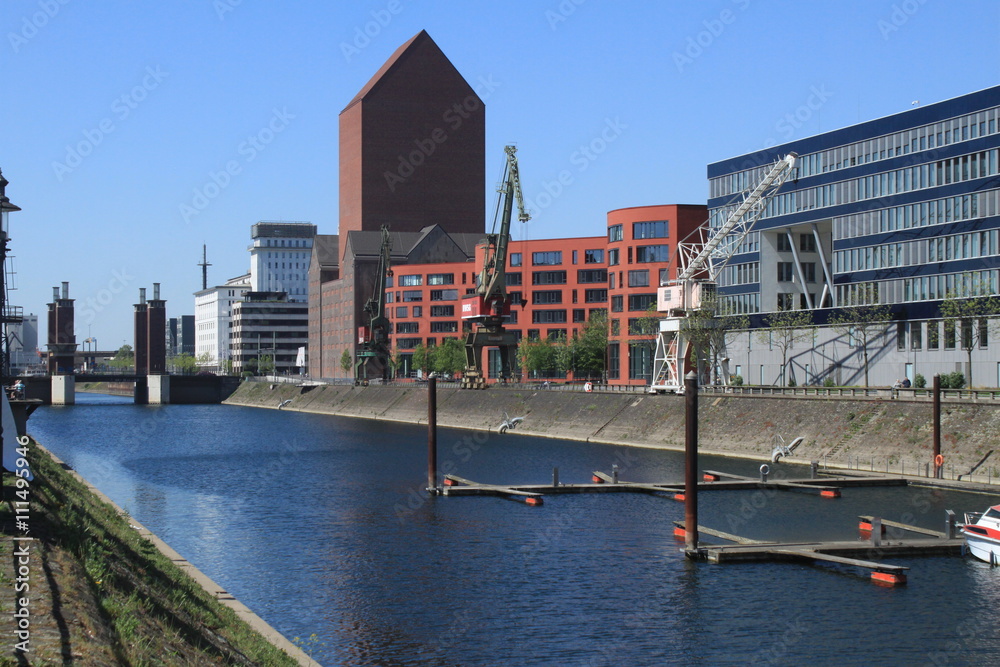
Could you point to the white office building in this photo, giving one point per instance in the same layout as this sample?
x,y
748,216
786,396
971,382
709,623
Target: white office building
x,y
213,308
279,258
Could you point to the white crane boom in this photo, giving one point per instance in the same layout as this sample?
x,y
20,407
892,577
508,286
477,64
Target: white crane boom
x,y
700,259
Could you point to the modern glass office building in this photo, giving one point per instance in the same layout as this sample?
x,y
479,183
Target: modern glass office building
x,y
909,204
902,210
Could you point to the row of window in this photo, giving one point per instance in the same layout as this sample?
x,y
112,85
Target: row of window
x,y
918,252
643,254
807,242
786,271
636,302
554,257
943,334
921,288
923,214
285,243
906,179
931,136
652,229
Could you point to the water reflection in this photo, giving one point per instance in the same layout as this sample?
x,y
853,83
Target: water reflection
x,y
321,526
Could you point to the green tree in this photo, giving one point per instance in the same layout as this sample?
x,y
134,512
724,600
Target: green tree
x,y
591,346
784,329
346,362
537,356
265,364
395,361
448,357
863,320
184,363
562,353
970,311
124,358
708,329
420,357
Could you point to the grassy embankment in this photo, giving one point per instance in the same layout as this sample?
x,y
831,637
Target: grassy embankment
x,y
102,594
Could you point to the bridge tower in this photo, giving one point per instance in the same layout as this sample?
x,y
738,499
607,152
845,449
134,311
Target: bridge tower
x,y
62,346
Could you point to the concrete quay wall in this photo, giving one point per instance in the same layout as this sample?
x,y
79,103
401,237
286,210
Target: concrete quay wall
x,y
837,431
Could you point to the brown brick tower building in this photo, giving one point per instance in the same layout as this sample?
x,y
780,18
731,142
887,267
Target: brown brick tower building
x,y
412,156
412,145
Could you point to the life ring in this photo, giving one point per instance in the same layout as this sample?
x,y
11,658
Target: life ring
x,y
939,460
588,387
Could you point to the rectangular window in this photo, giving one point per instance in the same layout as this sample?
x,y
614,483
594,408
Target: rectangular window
x,y
515,259
783,244
616,303
407,343
614,362
547,296
640,302
595,296
592,276
786,301
411,281
809,269
441,279
650,230
442,311
614,233
638,278
785,272
949,334
640,362
418,311
579,315
413,295
933,335
513,278
652,253
593,257
613,257
548,278
444,327
407,327
916,340
549,258
444,295
574,256
616,327
548,317
807,243
516,298
534,334
401,311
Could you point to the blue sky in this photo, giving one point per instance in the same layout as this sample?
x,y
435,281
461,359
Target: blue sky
x,y
119,118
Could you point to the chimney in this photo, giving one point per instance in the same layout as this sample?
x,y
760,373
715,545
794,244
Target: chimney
x,y
156,291
65,290
142,295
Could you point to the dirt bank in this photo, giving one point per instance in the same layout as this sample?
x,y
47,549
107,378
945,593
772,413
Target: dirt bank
x,y
875,432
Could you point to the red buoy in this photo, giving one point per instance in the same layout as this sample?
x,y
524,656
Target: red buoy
x,y
680,533
533,500
450,482
597,480
830,493
711,478
679,496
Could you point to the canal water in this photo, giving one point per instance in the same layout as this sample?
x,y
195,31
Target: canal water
x,y
321,526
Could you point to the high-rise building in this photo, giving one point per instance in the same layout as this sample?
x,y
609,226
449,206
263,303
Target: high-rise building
x,y
279,258
213,320
412,147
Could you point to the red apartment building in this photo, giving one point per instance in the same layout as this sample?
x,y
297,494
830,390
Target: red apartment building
x,y
555,286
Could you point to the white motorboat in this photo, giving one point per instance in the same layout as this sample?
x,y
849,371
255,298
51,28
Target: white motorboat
x,y
982,534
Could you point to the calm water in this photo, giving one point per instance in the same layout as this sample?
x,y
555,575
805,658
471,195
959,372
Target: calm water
x,y
320,525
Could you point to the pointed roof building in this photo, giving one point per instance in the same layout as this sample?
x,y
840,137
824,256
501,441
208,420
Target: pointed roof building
x,y
412,147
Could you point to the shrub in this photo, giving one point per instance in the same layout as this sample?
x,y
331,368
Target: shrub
x,y
736,381
829,383
791,382
919,381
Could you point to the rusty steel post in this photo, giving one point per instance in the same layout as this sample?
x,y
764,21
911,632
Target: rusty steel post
x,y
936,392
691,463
432,435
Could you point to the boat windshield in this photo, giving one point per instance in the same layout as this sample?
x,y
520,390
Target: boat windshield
x,y
992,513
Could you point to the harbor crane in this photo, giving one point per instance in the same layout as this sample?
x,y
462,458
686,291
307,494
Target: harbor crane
x,y
700,259
373,337
489,306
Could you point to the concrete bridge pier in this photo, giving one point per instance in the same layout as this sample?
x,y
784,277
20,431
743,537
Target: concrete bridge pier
x,y
63,390
158,389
